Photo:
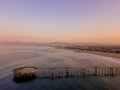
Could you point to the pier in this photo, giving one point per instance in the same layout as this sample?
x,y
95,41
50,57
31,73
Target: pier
x,y
28,73
24,74
76,72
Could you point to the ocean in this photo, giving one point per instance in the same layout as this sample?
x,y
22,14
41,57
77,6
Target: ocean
x,y
12,57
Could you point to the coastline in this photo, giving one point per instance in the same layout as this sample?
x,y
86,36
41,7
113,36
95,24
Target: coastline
x,y
113,55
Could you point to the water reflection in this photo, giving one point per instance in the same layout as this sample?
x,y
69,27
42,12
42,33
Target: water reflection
x,y
16,56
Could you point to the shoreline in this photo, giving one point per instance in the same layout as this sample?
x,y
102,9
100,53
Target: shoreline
x,y
113,55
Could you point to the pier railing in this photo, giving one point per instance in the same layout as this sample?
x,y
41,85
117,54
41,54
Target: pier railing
x,y
28,73
76,72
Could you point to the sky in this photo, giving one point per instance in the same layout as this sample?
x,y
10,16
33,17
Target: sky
x,y
60,20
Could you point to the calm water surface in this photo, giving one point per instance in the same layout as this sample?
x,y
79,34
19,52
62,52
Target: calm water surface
x,y
40,56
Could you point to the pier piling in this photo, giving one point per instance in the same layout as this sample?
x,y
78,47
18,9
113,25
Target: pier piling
x,y
28,73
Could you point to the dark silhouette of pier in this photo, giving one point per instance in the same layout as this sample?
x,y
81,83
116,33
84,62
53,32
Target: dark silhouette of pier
x,y
77,72
28,73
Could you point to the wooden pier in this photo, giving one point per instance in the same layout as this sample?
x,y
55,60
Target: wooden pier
x,y
26,73
77,72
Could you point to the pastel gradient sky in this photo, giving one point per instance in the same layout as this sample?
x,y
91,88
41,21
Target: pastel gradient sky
x,y
60,20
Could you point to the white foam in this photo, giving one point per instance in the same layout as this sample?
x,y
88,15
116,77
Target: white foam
x,y
116,60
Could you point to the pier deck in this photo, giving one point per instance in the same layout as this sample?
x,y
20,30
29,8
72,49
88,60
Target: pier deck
x,y
26,73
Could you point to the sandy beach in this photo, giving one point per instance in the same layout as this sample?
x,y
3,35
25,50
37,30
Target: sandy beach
x,y
114,55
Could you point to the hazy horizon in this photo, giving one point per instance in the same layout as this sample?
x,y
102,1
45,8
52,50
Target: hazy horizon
x,y
60,21
69,42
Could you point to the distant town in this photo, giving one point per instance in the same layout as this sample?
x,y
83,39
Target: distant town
x,y
108,48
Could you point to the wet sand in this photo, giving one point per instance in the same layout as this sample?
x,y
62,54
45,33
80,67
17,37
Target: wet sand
x,y
103,54
114,55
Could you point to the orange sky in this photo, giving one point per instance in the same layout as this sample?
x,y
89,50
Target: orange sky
x,y
78,21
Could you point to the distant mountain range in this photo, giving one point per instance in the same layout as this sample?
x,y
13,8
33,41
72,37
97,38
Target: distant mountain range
x,y
56,44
